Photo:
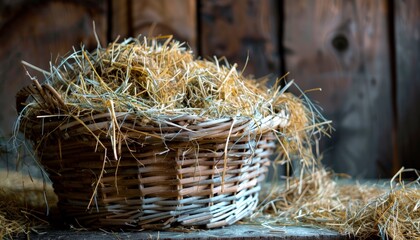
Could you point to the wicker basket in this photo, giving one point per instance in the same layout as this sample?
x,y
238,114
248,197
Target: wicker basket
x,y
153,173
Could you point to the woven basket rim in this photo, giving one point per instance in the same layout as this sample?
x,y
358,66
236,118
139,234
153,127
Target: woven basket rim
x,y
48,98
181,127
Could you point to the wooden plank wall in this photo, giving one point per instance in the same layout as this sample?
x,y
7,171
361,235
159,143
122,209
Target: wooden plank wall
x,y
407,51
365,55
245,32
343,48
153,18
38,32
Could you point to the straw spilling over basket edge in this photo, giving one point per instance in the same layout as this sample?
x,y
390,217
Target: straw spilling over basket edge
x,y
142,134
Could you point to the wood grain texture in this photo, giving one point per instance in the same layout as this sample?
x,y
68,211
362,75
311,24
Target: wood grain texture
x,y
342,47
238,29
120,18
155,18
407,39
234,232
37,33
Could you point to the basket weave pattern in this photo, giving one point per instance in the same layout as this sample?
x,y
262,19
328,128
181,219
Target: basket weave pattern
x,y
113,170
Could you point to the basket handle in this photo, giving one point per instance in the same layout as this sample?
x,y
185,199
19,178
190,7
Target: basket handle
x,y
46,96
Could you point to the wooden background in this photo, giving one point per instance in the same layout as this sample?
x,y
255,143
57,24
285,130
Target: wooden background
x,y
365,55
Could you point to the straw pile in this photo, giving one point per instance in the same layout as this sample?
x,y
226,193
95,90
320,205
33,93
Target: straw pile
x,y
23,202
361,210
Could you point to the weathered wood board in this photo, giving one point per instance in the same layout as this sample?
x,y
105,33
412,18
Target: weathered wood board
x,y
242,31
234,232
38,33
342,47
407,40
155,18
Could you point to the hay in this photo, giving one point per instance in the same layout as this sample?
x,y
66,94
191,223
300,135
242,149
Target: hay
x,y
151,78
23,204
360,210
156,80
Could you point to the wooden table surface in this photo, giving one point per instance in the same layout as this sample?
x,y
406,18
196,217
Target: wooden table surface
x,y
237,231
